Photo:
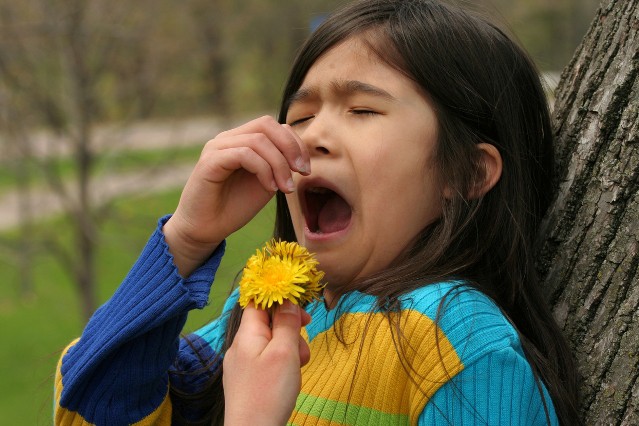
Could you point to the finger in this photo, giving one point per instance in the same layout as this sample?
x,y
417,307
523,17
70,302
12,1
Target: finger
x,y
305,352
287,324
306,157
286,140
223,163
306,318
266,149
254,332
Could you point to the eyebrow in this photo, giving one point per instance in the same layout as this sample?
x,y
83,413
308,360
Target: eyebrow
x,y
342,88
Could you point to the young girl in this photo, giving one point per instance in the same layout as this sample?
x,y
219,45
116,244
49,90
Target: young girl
x,y
413,155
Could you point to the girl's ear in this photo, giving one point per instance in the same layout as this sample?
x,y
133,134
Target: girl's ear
x,y
489,170
487,173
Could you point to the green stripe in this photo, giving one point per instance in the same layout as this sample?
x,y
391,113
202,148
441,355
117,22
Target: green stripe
x,y
341,412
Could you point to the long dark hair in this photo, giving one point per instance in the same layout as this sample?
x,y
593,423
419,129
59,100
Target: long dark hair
x,y
485,89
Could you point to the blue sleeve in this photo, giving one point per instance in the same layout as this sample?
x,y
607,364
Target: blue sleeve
x,y
497,389
201,351
117,372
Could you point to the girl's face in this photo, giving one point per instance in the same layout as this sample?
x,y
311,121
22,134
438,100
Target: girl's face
x,y
371,134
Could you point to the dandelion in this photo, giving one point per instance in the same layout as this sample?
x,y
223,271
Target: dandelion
x,y
280,270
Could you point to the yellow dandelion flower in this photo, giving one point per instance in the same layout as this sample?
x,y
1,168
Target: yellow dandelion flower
x,y
280,270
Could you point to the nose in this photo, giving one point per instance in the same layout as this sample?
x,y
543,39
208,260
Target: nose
x,y
319,136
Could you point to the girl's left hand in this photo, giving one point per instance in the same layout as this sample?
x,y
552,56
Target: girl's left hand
x,y
262,376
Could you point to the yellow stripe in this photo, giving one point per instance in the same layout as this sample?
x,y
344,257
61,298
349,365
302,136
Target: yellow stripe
x,y
160,417
62,416
310,420
369,373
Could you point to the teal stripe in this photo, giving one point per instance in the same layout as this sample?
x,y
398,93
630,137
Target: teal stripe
x,y
213,333
323,319
473,324
349,414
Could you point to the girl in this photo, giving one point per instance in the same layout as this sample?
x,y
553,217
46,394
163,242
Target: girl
x,y
413,155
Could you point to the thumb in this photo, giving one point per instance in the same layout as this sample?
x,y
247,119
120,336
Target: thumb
x,y
287,323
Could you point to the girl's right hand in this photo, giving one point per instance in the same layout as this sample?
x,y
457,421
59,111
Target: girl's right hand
x,y
262,369
237,174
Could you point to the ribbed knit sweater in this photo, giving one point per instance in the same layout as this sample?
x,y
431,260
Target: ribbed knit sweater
x,y
461,360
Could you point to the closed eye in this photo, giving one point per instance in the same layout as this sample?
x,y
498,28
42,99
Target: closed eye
x,y
363,112
300,120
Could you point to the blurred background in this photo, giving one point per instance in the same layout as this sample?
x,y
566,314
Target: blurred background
x,y
104,107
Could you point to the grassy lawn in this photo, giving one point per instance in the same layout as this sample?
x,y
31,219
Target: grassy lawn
x,y
35,330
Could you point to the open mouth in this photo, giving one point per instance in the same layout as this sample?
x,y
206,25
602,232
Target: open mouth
x,y
326,211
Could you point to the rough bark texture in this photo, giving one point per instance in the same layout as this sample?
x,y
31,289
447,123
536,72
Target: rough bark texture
x,y
590,253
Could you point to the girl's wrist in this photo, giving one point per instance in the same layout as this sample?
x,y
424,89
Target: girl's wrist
x,y
187,256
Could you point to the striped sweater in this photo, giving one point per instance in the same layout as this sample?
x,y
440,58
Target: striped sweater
x,y
461,361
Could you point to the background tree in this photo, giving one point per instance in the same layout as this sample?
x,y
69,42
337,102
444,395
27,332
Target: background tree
x,y
56,58
590,252
68,67
16,145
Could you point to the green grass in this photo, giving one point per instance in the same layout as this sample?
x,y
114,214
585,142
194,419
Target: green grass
x,y
34,331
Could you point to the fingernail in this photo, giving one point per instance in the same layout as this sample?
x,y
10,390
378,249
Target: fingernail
x,y
290,185
301,165
289,307
274,186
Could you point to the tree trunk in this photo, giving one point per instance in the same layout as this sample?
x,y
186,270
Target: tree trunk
x,y
25,213
18,155
590,253
209,18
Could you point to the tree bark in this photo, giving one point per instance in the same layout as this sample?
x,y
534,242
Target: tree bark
x,y
590,252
